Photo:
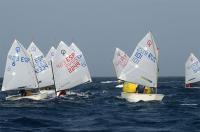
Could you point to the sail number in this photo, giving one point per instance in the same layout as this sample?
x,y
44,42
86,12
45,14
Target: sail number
x,y
122,59
18,59
70,62
40,64
195,67
81,60
140,52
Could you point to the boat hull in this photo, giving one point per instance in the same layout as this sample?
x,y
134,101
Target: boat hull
x,y
192,87
136,97
119,86
44,94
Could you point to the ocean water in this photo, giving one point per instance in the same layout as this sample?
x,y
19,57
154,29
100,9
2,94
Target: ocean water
x,y
98,107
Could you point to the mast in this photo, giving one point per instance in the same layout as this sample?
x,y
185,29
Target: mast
x,y
34,71
156,50
53,77
114,66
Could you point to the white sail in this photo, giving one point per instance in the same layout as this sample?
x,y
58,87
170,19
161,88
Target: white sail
x,y
120,60
81,58
67,68
19,72
43,71
192,69
50,54
157,50
142,67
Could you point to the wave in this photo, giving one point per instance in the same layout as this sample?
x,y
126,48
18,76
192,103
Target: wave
x,y
32,122
81,94
189,104
170,81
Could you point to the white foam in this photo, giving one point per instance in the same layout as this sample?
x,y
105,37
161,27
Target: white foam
x,y
106,82
189,104
119,86
78,94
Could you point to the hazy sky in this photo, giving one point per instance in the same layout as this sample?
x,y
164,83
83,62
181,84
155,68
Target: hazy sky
x,y
98,26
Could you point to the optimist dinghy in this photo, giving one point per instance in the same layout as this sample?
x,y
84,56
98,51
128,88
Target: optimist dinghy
x,y
19,73
42,69
192,72
120,60
69,67
35,96
142,69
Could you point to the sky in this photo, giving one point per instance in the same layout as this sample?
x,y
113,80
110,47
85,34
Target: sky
x,y
99,26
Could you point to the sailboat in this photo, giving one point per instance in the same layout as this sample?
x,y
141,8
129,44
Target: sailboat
x,y
142,69
43,71
81,58
69,67
19,73
192,71
120,60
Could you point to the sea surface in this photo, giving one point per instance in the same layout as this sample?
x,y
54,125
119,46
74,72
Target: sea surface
x,y
98,107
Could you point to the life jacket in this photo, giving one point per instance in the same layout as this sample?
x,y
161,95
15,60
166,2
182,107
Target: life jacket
x,y
22,92
147,90
28,93
189,85
129,87
140,89
62,93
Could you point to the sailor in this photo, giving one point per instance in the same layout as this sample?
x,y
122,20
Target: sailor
x,y
22,92
25,92
140,88
189,85
120,81
148,90
130,87
135,88
29,93
62,93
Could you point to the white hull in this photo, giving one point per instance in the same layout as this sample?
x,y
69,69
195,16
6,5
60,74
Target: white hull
x,y
50,93
192,87
44,94
136,97
119,86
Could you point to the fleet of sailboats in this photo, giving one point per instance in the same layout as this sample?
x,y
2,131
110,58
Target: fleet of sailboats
x,y
64,67
29,69
20,74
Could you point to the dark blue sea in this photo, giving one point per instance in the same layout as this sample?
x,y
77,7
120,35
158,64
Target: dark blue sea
x,y
98,107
